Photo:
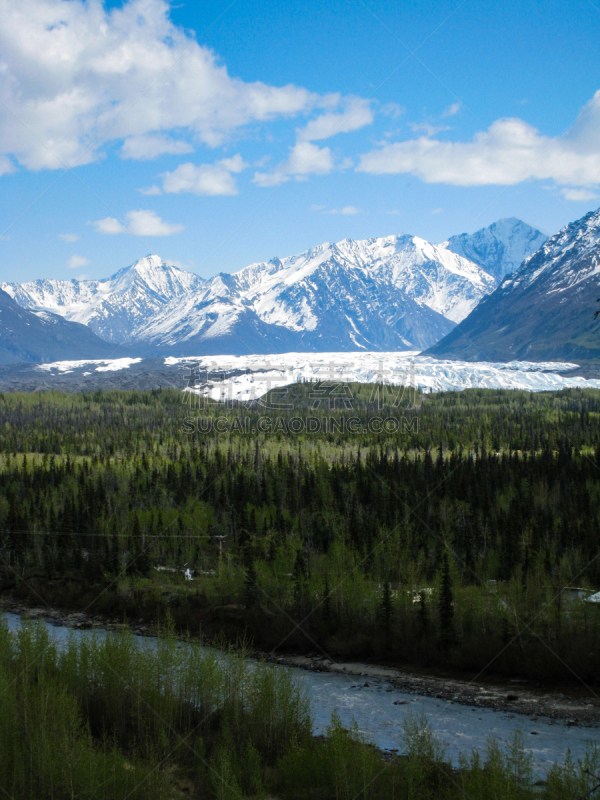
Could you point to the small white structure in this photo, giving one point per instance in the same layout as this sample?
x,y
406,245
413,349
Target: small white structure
x,y
595,598
188,574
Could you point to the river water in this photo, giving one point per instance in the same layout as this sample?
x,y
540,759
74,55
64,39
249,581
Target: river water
x,y
379,710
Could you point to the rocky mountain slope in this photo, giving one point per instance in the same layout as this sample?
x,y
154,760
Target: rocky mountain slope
x,y
545,311
41,336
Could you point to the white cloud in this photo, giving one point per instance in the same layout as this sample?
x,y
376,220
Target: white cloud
x,y
268,179
346,210
207,179
393,110
305,159
145,148
234,164
75,262
109,225
578,195
357,114
68,237
437,210
6,165
452,110
139,223
80,75
508,152
173,262
151,191
147,223
426,128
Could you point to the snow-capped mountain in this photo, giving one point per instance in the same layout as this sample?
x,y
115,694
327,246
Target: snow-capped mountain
x,y
40,336
501,248
113,308
397,292
544,311
392,293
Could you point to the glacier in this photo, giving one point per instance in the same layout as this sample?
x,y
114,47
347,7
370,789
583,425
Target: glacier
x,y
247,378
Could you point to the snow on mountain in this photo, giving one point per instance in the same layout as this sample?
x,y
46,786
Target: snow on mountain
x,y
35,336
501,248
427,273
113,307
398,292
545,310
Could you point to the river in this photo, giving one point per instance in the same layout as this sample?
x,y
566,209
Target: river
x,y
379,709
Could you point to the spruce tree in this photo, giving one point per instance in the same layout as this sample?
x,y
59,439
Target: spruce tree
x,y
386,613
446,605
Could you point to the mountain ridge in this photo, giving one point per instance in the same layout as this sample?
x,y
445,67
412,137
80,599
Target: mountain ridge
x,y
28,336
395,292
544,311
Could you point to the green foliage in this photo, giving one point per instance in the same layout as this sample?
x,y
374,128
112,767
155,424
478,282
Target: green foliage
x,y
446,604
99,490
112,717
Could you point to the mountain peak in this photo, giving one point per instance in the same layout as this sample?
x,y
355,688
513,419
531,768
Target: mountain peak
x,y
500,248
394,292
151,261
544,311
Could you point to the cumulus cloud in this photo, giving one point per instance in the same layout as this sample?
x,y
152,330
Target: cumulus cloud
x,y
452,110
6,165
68,237
305,159
346,210
109,225
508,152
578,195
139,223
357,115
75,262
80,75
207,179
150,191
145,148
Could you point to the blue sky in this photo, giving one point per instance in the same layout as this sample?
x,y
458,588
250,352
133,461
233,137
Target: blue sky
x,y
221,133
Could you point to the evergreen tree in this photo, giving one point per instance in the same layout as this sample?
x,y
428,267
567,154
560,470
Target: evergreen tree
x,y
446,604
327,610
251,590
300,575
385,613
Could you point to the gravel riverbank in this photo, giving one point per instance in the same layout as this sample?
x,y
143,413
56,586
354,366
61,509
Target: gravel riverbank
x,y
513,697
